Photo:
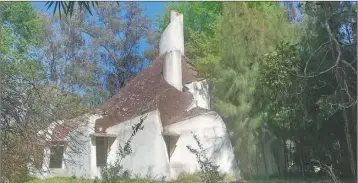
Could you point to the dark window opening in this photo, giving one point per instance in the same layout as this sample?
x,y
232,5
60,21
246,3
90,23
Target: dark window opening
x,y
185,89
101,151
56,154
170,142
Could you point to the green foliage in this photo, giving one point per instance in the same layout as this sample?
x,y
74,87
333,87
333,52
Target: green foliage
x,y
183,178
60,180
200,22
277,83
20,28
298,89
199,16
246,33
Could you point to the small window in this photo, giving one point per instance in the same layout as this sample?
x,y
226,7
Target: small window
x,y
170,142
185,89
56,154
101,151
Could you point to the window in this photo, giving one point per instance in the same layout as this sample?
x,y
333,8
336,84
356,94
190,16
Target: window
x,y
170,142
185,89
101,151
56,154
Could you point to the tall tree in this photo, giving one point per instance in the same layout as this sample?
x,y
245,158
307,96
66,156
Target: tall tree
x,y
19,25
69,59
337,43
247,31
29,104
118,32
309,89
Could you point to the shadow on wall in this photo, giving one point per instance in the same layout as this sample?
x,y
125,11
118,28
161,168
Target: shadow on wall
x,y
222,144
203,90
77,147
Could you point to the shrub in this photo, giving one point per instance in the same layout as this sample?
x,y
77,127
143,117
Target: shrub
x,y
209,170
114,172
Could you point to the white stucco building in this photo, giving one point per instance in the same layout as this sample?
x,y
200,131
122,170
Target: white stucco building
x,y
174,103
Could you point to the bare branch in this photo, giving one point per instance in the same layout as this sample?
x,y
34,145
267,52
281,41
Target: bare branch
x,y
309,59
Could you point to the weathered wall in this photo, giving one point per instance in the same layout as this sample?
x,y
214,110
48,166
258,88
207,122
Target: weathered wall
x,y
148,147
77,155
212,133
200,91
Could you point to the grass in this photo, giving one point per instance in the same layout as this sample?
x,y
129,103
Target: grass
x,y
183,178
60,180
179,180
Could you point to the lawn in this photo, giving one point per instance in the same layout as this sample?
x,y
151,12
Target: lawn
x,y
191,179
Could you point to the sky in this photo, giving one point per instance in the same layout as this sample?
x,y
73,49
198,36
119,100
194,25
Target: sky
x,y
152,8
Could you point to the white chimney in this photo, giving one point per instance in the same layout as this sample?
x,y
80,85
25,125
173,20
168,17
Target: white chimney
x,y
173,35
172,43
172,69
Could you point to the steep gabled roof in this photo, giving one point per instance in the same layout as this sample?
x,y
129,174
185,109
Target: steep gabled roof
x,y
144,93
147,92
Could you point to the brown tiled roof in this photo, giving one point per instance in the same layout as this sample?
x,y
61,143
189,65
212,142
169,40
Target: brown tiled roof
x,y
62,130
147,92
144,93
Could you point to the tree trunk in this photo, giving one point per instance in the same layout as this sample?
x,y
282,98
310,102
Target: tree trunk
x,y
298,147
0,100
340,81
257,163
264,155
301,161
276,158
285,156
289,156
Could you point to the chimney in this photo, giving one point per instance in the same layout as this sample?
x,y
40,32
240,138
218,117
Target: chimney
x,y
172,43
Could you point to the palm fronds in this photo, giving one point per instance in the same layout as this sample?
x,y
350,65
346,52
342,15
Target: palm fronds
x,y
67,7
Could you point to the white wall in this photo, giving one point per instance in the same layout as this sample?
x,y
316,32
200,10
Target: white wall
x,y
200,91
76,158
212,133
149,153
149,149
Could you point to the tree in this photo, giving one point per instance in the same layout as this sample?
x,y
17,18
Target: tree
x,y
118,40
69,59
28,104
307,93
247,31
99,54
337,42
18,26
200,20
